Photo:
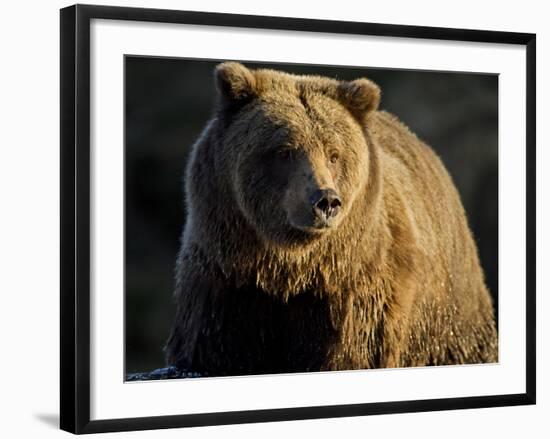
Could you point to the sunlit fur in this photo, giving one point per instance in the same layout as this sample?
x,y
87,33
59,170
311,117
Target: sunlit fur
x,y
394,282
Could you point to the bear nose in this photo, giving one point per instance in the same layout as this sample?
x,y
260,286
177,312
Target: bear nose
x,y
326,203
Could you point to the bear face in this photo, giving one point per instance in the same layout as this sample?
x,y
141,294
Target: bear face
x,y
298,141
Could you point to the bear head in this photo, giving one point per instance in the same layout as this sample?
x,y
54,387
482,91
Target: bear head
x,y
294,147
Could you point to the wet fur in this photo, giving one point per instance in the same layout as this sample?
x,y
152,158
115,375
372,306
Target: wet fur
x,y
397,283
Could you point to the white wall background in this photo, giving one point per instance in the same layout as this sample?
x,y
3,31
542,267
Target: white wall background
x,y
29,237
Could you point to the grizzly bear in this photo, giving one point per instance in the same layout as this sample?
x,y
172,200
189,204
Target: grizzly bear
x,y
321,235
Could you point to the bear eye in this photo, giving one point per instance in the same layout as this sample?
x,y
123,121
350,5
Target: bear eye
x,y
284,154
334,157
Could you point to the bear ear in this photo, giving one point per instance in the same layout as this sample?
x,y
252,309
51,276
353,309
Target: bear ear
x,y
234,81
360,96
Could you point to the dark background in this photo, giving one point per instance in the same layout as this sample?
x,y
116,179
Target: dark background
x,y
168,102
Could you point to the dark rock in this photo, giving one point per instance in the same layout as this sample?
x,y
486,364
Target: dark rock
x,y
164,373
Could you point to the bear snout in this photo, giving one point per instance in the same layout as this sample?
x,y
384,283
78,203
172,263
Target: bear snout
x,y
326,204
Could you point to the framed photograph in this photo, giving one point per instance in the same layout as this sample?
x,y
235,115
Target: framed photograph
x,y
272,218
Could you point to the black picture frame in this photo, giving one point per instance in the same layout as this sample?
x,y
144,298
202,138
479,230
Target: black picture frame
x,y
75,217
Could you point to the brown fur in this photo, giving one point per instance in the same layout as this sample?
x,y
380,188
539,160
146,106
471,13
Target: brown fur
x,y
394,281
